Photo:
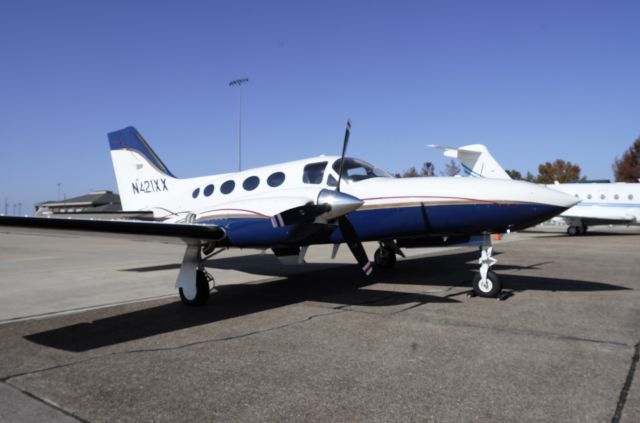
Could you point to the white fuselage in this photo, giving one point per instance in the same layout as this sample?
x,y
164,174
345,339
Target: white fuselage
x,y
602,203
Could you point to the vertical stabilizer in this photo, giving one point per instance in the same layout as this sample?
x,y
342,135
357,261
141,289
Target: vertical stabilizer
x,y
144,182
476,161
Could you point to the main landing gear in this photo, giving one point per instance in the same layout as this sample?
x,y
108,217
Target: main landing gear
x,y
385,255
194,282
577,230
486,283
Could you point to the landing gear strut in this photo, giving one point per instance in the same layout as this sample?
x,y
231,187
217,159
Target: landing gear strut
x,y
486,283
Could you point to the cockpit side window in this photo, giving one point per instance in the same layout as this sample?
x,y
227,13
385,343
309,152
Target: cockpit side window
x,y
357,170
313,173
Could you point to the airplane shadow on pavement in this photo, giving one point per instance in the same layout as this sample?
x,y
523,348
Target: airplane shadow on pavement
x,y
341,286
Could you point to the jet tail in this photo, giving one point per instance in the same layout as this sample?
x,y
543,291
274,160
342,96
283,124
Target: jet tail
x,y
143,179
476,161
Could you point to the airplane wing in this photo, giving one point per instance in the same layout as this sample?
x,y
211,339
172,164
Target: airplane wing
x,y
178,233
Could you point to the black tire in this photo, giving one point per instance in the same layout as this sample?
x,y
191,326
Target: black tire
x,y
492,288
572,230
202,291
385,258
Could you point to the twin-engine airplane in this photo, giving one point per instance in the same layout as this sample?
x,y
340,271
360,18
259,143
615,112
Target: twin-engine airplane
x,y
289,206
601,203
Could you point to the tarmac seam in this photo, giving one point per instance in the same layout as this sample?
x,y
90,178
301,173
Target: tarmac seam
x,y
624,392
45,402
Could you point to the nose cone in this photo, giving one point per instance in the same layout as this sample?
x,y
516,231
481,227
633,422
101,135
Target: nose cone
x,y
340,203
552,197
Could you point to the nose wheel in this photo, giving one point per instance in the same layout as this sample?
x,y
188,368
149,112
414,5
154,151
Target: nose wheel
x,y
490,287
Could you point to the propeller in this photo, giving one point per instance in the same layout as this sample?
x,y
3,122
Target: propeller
x,y
331,205
348,231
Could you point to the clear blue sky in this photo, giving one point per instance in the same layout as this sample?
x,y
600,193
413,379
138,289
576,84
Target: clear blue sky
x,y
533,80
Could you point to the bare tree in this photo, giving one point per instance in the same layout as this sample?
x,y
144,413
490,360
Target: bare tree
x,y
410,173
428,169
451,169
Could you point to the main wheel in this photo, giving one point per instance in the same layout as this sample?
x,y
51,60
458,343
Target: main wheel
x,y
572,230
202,291
490,288
385,258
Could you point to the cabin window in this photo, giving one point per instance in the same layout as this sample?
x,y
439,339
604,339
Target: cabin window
x,y
227,187
616,197
331,181
630,196
313,173
208,190
589,196
602,196
251,183
275,179
196,192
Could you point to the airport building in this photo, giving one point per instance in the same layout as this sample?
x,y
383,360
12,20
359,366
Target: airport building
x,y
94,202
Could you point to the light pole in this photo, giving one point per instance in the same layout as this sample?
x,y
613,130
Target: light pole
x,y
239,83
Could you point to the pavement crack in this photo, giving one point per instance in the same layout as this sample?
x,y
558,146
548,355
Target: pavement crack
x,y
231,337
528,332
624,392
173,348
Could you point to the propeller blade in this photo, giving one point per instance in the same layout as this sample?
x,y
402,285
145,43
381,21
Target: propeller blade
x,y
347,132
299,214
351,237
329,204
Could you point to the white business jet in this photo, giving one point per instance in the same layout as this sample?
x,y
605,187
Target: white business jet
x,y
602,203
289,206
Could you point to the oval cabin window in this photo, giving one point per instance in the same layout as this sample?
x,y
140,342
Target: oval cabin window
x,y
251,183
227,187
275,179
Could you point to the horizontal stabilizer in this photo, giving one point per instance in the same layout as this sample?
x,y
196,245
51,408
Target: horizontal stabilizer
x,y
476,160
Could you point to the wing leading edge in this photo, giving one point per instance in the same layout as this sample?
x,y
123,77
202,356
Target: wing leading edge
x,y
124,229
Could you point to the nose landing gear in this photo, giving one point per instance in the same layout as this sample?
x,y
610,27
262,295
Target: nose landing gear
x,y
486,283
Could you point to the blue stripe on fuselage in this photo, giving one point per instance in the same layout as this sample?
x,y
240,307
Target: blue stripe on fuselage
x,y
378,224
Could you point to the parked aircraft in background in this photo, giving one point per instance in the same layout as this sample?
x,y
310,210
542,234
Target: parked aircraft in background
x,y
601,203
290,206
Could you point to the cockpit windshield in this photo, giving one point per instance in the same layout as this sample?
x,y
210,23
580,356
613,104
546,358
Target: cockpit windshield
x,y
357,170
